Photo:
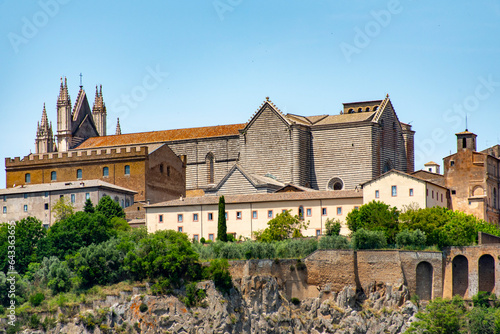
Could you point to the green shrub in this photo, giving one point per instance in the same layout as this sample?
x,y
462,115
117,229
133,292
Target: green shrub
x,y
194,295
166,254
202,240
88,320
295,301
100,264
411,239
143,307
364,239
295,248
375,216
332,227
49,323
218,271
2,310
333,242
56,274
37,299
34,321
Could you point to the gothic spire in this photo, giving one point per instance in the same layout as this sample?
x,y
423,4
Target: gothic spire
x,y
63,98
45,120
118,128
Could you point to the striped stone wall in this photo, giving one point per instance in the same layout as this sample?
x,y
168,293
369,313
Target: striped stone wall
x,y
341,151
224,149
268,147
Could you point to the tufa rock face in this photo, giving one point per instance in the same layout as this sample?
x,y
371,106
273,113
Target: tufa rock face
x,y
257,305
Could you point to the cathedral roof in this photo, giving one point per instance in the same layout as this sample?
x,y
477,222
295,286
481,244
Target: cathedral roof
x,y
163,136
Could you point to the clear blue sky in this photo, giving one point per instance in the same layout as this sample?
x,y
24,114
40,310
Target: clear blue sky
x,y
438,60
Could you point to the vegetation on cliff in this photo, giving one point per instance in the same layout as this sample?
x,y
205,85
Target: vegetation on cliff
x,y
94,247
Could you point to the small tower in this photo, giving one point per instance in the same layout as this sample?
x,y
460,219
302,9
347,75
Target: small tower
x,y
44,137
432,167
99,112
466,140
118,128
64,134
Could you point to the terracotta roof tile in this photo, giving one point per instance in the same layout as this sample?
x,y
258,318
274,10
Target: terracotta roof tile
x,y
162,136
252,198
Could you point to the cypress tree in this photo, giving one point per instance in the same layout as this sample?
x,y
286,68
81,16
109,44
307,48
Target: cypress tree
x,y
89,207
221,227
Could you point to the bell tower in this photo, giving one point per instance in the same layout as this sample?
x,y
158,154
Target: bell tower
x,y
64,134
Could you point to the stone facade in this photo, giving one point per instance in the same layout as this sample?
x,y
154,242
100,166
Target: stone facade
x,y
37,200
473,179
153,171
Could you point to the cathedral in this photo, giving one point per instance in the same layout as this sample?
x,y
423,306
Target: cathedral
x,y
271,150
74,125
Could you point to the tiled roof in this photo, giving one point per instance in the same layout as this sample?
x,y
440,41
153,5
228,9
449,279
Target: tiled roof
x,y
162,136
346,118
55,186
466,132
431,163
411,176
252,198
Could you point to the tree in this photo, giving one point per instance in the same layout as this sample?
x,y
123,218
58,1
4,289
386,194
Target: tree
x,y
99,264
89,207
81,229
120,224
282,227
332,226
366,239
441,317
29,235
63,209
164,254
222,226
375,216
444,227
109,208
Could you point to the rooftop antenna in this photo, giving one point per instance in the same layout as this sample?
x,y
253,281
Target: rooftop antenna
x,y
466,127
81,84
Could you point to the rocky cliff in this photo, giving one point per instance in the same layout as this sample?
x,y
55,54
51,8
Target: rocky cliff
x,y
256,304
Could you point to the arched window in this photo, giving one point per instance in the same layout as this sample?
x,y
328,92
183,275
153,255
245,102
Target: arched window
x,y
301,212
375,108
79,174
367,108
105,172
360,109
209,160
350,111
127,170
335,184
117,199
53,176
161,168
27,178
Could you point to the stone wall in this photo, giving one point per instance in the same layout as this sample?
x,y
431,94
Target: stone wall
x,y
333,270
267,146
468,270
224,149
144,176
